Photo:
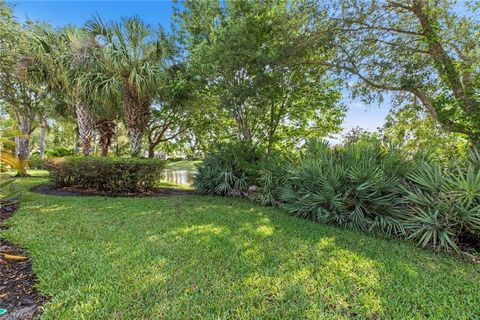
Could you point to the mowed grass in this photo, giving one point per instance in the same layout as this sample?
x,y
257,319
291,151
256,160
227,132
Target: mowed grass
x,y
183,165
215,258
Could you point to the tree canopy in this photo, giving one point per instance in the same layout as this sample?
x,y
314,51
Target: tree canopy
x,y
270,74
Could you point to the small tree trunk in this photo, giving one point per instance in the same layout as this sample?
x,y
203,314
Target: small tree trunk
x,y
23,152
85,128
104,150
43,131
244,132
22,147
151,151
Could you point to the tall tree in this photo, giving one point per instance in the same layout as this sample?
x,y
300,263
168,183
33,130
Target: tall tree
x,y
19,87
243,51
427,49
172,110
63,57
128,68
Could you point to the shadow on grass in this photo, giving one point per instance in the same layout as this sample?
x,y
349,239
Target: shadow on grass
x,y
206,257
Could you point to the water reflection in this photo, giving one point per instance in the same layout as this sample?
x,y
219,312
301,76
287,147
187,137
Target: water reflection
x,y
179,176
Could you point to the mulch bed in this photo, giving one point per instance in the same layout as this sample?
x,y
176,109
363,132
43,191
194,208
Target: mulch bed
x,y
52,188
6,211
18,294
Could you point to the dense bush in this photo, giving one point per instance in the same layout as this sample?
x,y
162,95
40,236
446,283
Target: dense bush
x,y
229,170
444,206
358,185
363,184
241,170
107,174
272,176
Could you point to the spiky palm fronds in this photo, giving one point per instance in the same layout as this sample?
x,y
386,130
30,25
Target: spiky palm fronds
x,y
355,186
63,56
230,170
128,68
444,206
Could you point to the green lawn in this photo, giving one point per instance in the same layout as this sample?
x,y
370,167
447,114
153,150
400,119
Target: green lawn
x,y
183,165
214,258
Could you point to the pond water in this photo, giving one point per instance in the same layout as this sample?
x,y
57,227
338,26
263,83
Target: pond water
x,y
179,176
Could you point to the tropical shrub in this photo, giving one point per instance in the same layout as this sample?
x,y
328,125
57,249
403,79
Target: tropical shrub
x,y
363,184
107,174
230,170
272,178
444,206
358,185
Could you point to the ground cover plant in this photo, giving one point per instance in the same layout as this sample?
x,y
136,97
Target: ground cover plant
x,y
445,204
214,257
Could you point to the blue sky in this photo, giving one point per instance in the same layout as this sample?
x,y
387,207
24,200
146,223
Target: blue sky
x,y
159,12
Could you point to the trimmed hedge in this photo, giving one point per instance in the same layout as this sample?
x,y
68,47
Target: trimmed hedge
x,y
107,174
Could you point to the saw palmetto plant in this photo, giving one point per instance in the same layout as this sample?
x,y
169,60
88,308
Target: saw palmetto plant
x,y
230,170
358,185
444,210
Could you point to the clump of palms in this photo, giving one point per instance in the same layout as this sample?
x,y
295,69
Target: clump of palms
x,y
128,68
62,58
230,170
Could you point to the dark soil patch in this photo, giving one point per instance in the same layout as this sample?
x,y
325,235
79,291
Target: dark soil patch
x,y
57,190
18,294
6,211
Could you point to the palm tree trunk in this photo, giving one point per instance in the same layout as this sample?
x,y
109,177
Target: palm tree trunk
x,y
135,142
85,128
136,115
106,128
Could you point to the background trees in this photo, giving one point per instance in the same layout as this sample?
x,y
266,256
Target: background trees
x,y
268,74
417,48
20,88
241,50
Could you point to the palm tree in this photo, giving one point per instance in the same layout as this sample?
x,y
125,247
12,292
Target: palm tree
x,y
128,68
105,115
64,56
